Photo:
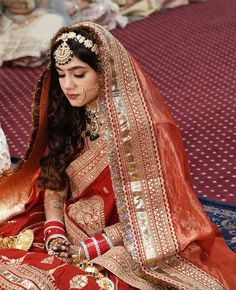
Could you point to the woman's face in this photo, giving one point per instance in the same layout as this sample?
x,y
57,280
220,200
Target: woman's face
x,y
79,82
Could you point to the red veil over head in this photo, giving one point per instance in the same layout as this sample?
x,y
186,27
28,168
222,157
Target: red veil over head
x,y
165,229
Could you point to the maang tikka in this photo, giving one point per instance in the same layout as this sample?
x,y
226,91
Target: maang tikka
x,y
63,54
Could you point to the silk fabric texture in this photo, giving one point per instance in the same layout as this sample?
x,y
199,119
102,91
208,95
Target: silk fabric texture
x,y
165,230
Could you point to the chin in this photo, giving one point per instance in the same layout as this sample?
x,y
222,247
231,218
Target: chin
x,y
75,105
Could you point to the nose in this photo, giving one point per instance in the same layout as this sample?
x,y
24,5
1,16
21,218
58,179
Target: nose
x,y
69,83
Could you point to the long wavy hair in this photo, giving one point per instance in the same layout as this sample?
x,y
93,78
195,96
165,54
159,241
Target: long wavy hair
x,y
65,123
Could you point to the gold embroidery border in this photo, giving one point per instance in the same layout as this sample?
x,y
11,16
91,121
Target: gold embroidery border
x,y
180,273
136,168
74,234
116,160
118,261
26,272
79,204
87,167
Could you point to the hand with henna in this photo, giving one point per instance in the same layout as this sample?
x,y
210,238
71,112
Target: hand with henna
x,y
66,251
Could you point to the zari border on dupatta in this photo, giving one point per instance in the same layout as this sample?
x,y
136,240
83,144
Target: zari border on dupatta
x,y
14,276
149,234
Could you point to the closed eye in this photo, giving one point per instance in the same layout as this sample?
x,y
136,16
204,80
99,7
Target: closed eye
x,y
60,74
79,76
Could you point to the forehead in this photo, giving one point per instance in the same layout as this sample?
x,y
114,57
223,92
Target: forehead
x,y
75,63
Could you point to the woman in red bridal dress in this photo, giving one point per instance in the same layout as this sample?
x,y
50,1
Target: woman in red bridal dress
x,y
103,197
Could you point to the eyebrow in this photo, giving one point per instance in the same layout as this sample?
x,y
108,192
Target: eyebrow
x,y
71,68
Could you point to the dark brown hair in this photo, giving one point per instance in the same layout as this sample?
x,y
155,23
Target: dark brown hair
x,y
65,123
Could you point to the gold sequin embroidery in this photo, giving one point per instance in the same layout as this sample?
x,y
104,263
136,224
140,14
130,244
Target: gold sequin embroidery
x,y
79,281
88,214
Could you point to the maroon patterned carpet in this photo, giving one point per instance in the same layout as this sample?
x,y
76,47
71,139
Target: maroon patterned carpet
x,y
190,54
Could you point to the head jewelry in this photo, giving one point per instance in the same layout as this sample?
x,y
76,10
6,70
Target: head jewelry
x,y
63,54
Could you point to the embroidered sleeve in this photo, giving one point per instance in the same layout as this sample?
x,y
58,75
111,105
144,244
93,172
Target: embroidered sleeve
x,y
114,233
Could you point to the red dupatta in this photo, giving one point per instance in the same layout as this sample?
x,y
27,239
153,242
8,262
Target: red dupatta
x,y
165,229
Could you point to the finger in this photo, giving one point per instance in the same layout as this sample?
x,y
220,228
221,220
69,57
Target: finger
x,y
63,242
63,255
72,255
59,248
59,243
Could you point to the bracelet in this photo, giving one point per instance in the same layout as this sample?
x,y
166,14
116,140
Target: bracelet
x,y
107,240
95,242
53,229
53,237
96,246
53,221
48,229
85,250
50,224
103,245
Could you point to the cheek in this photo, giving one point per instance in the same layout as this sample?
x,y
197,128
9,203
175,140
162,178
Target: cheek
x,y
94,79
89,83
61,83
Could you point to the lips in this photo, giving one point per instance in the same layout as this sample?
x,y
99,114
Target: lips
x,y
72,96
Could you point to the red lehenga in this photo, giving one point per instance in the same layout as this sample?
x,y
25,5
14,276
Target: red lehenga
x,y
135,180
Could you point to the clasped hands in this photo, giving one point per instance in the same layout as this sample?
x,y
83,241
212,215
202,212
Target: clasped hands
x,y
64,250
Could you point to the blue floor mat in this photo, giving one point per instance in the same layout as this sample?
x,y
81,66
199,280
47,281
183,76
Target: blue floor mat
x,y
224,216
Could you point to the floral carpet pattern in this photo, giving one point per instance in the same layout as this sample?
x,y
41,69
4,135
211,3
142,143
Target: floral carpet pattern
x,y
224,216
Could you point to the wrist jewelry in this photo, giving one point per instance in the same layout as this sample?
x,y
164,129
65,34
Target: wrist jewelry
x,y
87,256
96,246
53,229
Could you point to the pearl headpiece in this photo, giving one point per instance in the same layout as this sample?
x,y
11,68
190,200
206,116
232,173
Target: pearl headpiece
x,y
63,53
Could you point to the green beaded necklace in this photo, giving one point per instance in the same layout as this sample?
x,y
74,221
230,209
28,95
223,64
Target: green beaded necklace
x,y
92,119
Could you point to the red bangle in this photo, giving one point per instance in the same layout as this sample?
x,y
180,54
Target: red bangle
x,y
54,231
91,248
53,224
46,229
53,228
95,246
102,243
